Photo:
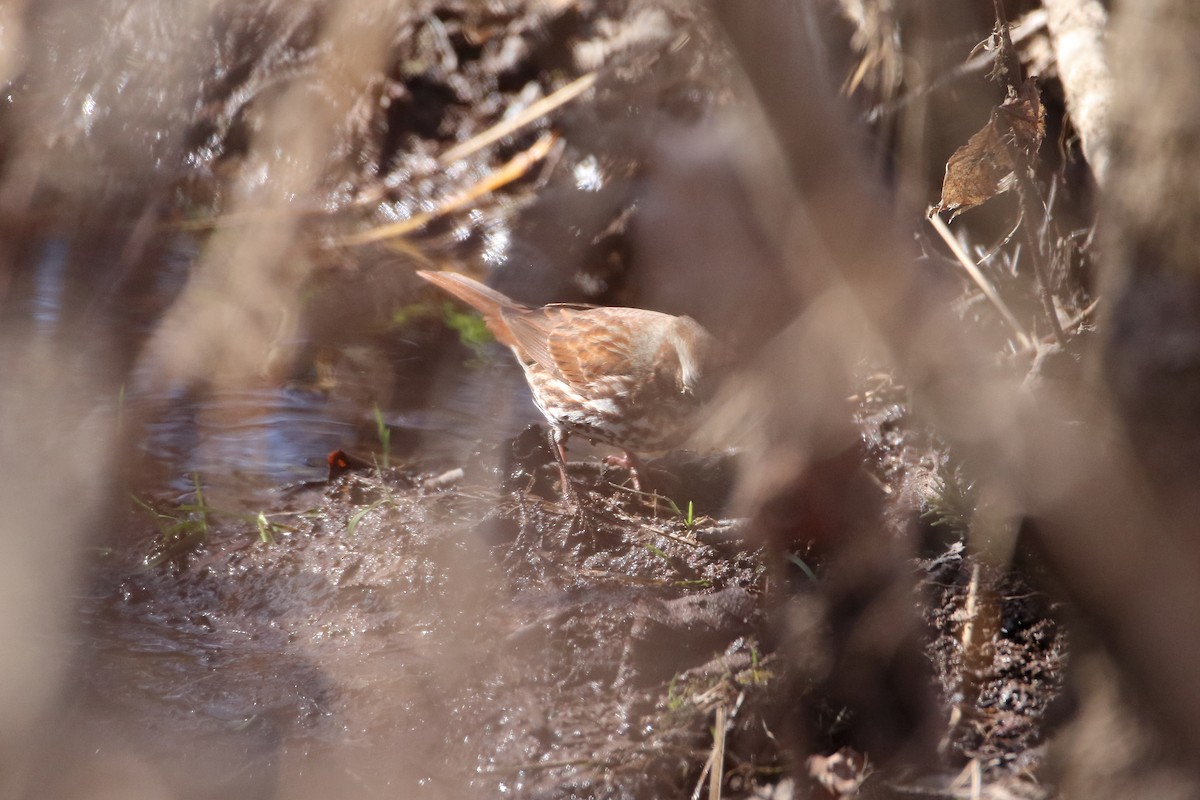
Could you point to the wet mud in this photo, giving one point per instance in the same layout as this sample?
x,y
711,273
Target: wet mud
x,y
387,631
442,638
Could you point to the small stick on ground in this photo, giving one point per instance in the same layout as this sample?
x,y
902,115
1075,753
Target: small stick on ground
x,y
717,774
714,767
703,777
535,111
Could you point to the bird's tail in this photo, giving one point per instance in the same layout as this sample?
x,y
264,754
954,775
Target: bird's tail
x,y
484,299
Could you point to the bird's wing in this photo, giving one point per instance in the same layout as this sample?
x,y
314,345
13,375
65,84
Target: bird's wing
x,y
575,347
530,337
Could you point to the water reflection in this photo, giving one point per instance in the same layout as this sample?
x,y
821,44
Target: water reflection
x,y
245,444
49,284
248,439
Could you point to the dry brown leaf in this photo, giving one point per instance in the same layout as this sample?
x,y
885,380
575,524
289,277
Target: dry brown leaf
x,y
983,167
1026,116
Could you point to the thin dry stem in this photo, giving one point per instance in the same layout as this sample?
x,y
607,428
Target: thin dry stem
x,y
515,168
534,112
714,767
717,759
981,281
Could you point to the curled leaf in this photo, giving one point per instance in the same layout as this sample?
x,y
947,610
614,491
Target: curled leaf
x,y
983,167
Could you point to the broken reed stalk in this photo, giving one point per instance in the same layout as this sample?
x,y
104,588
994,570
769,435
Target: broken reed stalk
x,y
980,279
971,613
972,773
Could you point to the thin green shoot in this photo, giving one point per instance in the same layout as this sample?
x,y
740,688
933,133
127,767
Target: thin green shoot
x,y
954,501
694,583
385,438
676,694
689,518
388,497
180,530
657,551
268,528
414,311
357,516
200,507
265,529
121,407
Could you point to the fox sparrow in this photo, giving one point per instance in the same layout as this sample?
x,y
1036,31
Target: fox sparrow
x,y
627,377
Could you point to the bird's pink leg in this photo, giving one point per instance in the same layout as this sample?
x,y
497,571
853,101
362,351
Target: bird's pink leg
x,y
630,462
558,443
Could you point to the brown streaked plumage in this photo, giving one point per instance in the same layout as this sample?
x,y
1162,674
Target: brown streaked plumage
x,y
627,377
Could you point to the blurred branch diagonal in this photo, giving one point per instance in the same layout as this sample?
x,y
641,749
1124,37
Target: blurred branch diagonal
x,y
1125,552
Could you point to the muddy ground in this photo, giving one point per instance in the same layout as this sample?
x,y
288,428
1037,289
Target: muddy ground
x,y
405,634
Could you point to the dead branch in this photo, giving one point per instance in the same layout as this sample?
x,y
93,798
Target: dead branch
x,y
1077,32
